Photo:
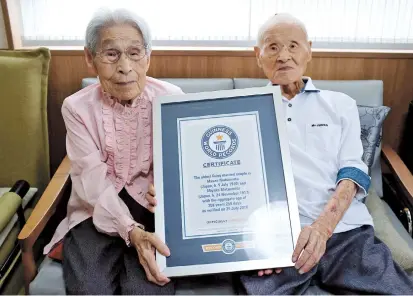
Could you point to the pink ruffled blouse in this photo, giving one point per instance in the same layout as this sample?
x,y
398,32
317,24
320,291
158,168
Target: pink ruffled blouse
x,y
110,148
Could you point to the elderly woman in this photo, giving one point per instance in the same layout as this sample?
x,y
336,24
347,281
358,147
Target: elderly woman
x,y
108,244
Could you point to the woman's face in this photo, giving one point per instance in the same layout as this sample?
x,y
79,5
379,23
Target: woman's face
x,y
121,61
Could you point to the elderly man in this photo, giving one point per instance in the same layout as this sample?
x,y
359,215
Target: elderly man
x,y
336,246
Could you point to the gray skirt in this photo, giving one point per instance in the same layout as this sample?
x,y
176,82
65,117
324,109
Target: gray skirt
x,y
95,263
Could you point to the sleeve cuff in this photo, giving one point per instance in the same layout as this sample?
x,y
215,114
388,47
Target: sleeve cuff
x,y
126,225
360,178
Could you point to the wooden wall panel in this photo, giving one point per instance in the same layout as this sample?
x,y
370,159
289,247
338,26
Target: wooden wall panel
x,y
396,70
65,76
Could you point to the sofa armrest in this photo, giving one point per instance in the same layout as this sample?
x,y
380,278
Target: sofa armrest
x,y
9,203
41,214
399,170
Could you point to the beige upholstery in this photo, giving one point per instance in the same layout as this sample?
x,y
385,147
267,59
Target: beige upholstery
x,y
24,148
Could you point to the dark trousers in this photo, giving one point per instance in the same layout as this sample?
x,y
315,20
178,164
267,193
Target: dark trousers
x,y
96,263
355,262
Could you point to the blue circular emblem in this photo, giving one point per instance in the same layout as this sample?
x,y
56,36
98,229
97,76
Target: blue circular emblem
x,y
219,142
228,246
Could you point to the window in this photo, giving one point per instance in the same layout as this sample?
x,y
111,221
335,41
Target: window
x,y
336,24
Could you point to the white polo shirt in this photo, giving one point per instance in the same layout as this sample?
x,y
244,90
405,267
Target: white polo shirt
x,y
325,146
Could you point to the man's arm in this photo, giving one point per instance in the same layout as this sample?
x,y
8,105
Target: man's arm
x,y
337,206
350,164
312,240
352,181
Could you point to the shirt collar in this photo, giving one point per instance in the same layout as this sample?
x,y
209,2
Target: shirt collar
x,y
308,85
131,104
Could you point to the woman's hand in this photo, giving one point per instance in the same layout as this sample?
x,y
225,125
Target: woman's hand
x,y
145,244
150,197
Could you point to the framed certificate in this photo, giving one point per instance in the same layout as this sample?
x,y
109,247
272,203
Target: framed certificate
x,y
224,182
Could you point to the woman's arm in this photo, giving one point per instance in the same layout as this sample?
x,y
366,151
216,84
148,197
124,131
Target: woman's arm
x,y
90,181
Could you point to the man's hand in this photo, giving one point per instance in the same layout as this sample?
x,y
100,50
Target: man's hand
x,y
145,244
269,271
311,245
150,197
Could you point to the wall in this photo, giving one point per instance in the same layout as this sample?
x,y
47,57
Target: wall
x,y
396,71
3,39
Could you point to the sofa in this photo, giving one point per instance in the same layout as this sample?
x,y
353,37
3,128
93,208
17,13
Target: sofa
x,y
48,278
24,146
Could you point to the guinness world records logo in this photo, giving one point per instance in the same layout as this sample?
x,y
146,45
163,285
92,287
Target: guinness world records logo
x,y
219,142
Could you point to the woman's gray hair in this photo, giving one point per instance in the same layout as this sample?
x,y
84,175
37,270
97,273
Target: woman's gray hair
x,y
105,17
279,18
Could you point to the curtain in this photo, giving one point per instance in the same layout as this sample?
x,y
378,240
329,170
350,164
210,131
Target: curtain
x,y
335,24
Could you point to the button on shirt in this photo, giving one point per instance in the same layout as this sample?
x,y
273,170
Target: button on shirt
x,y
324,137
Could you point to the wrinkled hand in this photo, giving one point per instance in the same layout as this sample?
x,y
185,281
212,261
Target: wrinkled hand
x,y
150,197
145,244
311,245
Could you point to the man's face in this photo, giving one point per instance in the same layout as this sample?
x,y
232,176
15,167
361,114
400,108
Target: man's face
x,y
284,53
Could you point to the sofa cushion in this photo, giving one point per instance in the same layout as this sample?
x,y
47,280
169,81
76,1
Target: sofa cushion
x,y
11,279
389,230
201,84
26,199
250,82
24,149
8,245
371,121
89,81
187,85
49,280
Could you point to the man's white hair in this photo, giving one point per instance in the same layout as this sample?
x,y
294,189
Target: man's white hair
x,y
279,18
105,17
